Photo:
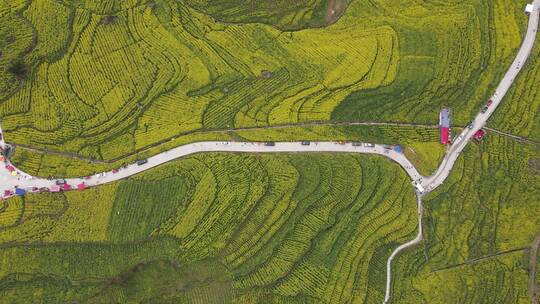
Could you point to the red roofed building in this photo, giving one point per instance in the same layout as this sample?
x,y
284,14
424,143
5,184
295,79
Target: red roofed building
x,y
444,125
479,135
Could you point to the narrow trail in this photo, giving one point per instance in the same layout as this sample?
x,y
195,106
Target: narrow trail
x,y
534,292
419,237
480,259
512,136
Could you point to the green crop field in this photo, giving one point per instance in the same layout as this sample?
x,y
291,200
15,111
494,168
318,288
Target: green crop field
x,y
478,227
290,228
519,113
227,228
88,86
106,78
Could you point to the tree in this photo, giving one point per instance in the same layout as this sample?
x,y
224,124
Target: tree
x,y
19,69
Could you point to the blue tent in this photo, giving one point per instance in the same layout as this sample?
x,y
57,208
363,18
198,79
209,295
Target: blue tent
x,y
20,192
398,149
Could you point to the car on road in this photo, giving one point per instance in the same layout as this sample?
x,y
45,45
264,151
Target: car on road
x,y
142,161
60,182
356,144
306,143
489,103
270,143
470,125
484,109
370,145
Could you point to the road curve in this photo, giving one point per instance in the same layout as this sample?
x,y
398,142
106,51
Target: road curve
x,y
10,181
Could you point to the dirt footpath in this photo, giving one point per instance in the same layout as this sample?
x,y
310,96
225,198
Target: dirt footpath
x,y
534,291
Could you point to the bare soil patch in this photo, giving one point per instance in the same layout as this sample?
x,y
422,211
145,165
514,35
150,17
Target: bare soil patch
x,y
334,11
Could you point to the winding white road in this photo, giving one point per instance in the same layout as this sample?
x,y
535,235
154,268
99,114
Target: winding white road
x,y
23,180
14,178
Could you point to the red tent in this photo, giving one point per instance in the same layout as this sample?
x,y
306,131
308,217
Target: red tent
x,y
10,168
66,187
7,192
81,186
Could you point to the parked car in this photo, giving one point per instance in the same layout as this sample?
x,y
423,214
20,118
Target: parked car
x,y
60,182
142,161
356,144
484,109
489,103
369,145
306,143
270,143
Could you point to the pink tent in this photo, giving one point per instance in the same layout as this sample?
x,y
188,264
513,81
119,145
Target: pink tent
x,y
81,186
66,187
55,188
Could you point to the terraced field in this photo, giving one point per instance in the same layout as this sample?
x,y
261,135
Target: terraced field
x,y
105,82
519,113
478,225
228,228
105,78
